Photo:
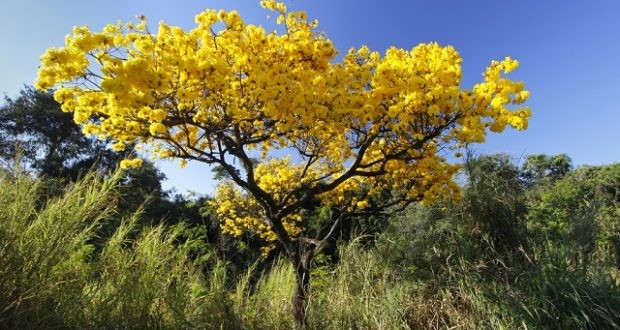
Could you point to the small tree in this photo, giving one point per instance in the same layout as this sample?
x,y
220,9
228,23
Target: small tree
x,y
230,94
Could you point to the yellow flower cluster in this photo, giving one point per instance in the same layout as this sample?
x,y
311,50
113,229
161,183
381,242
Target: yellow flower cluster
x,y
226,87
240,212
131,163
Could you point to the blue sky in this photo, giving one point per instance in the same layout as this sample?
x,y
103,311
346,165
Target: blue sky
x,y
569,53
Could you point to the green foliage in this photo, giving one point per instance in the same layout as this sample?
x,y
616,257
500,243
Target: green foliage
x,y
583,211
33,128
142,185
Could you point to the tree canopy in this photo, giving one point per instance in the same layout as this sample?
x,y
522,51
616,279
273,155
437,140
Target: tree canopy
x,y
232,94
213,96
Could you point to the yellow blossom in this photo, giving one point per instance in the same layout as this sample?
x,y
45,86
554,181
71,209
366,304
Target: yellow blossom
x,y
370,122
131,163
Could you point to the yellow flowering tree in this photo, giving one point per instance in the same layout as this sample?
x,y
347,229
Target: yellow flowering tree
x,y
227,93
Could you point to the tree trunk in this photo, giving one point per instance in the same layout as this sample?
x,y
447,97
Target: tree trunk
x,y
302,279
300,253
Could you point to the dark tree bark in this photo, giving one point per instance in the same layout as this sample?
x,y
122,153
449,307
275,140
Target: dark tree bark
x,y
300,296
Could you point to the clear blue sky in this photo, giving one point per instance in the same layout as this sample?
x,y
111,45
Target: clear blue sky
x,y
569,53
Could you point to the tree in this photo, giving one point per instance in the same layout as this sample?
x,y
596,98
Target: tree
x,y
227,92
33,127
540,167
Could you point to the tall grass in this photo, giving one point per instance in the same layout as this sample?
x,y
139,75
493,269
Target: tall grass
x,y
43,250
455,280
267,303
53,276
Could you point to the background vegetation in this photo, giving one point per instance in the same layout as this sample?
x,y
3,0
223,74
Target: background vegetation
x,y
532,244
